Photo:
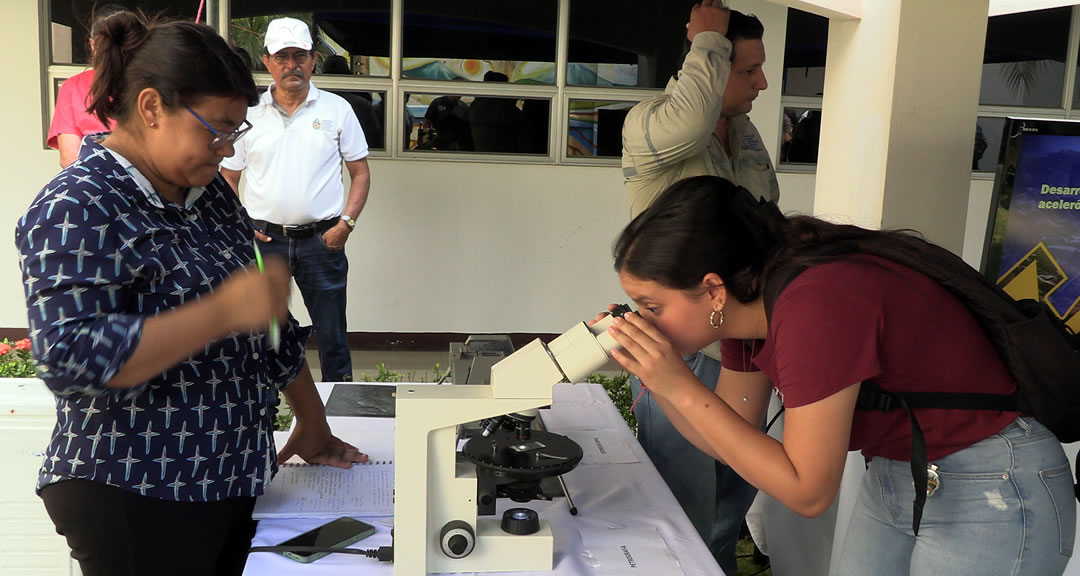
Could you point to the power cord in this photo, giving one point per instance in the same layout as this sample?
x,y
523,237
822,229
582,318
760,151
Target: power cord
x,y
382,553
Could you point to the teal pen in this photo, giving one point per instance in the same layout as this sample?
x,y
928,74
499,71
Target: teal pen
x,y
275,329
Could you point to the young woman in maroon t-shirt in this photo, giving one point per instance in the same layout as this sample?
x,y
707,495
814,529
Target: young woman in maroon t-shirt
x,y
695,263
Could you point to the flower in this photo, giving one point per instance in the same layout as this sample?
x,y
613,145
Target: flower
x,y
16,360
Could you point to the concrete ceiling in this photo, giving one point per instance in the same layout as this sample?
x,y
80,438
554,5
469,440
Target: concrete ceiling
x,y
852,9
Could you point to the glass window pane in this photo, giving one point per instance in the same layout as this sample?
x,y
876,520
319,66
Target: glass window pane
x,y
370,109
470,41
350,36
804,54
70,22
638,44
488,124
595,128
799,141
988,132
1024,61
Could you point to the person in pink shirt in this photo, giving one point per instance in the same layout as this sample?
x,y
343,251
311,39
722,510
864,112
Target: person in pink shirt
x,y
71,122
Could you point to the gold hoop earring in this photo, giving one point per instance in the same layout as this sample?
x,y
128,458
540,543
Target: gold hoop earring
x,y
713,319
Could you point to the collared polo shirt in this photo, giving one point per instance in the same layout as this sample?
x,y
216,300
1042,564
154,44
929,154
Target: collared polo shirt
x,y
293,163
101,251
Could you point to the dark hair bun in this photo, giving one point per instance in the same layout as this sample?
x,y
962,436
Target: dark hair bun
x,y
118,37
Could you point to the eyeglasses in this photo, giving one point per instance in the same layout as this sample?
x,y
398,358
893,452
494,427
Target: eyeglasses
x,y
222,138
282,57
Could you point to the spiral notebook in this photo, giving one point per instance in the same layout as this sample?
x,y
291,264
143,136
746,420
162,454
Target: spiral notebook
x,y
315,491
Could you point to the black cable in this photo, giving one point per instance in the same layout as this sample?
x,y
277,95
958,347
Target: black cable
x,y
382,553
773,420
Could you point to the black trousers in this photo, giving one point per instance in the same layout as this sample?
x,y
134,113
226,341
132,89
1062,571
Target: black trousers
x,y
113,532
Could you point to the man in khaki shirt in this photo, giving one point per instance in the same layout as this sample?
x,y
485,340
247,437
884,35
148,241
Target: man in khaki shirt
x,y
699,127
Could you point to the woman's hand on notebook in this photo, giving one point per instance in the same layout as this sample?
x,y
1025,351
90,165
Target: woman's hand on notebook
x,y
316,445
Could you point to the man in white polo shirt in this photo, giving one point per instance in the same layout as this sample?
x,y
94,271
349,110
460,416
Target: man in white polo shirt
x,y
294,191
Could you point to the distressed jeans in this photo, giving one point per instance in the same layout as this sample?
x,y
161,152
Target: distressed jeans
x,y
1005,507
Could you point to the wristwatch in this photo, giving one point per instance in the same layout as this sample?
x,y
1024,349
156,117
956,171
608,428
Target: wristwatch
x,y
349,221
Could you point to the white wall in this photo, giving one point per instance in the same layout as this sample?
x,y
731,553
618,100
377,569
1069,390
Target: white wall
x,y
442,246
978,214
475,247
24,165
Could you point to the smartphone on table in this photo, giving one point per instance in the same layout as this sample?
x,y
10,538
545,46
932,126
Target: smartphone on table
x,y
339,533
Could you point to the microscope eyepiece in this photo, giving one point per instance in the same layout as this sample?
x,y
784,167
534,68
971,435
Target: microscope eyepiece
x,y
620,310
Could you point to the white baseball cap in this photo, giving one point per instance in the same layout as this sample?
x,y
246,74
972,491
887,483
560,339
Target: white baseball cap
x,y
287,33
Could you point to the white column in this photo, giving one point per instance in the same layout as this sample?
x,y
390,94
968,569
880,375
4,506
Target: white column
x,y
766,112
898,116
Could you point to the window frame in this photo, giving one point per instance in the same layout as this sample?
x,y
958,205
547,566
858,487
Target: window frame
x,y
1065,110
559,94
803,102
52,75
395,87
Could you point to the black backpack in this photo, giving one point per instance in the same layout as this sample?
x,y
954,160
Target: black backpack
x,y
1037,348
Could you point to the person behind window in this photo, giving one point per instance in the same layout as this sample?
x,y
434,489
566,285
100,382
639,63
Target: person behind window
x,y
71,121
294,192
700,126
148,315
497,124
805,136
980,147
785,135
360,102
1004,503
447,123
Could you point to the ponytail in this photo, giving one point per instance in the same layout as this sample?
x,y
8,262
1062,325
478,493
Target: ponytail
x,y
118,38
182,61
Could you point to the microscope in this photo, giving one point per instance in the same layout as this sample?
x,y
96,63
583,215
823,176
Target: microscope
x,y
441,500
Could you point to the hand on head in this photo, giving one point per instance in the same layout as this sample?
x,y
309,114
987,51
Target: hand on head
x,y
708,16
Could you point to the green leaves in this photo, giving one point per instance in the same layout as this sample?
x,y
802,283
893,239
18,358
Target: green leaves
x,y
16,360
618,389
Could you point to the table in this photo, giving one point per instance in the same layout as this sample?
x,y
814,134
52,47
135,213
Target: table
x,y
608,496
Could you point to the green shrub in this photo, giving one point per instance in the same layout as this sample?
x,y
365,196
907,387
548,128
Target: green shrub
x,y
385,374
618,389
15,359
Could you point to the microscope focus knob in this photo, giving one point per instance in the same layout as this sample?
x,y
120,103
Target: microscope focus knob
x,y
457,539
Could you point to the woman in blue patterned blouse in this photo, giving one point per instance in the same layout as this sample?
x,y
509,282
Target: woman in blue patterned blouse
x,y
147,318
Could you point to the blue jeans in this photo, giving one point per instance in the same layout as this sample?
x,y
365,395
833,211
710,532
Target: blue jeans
x,y
1005,506
713,496
321,274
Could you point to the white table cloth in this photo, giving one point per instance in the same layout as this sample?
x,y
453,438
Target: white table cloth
x,y
608,496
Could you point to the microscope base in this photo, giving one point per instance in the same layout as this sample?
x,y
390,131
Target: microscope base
x,y
497,551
